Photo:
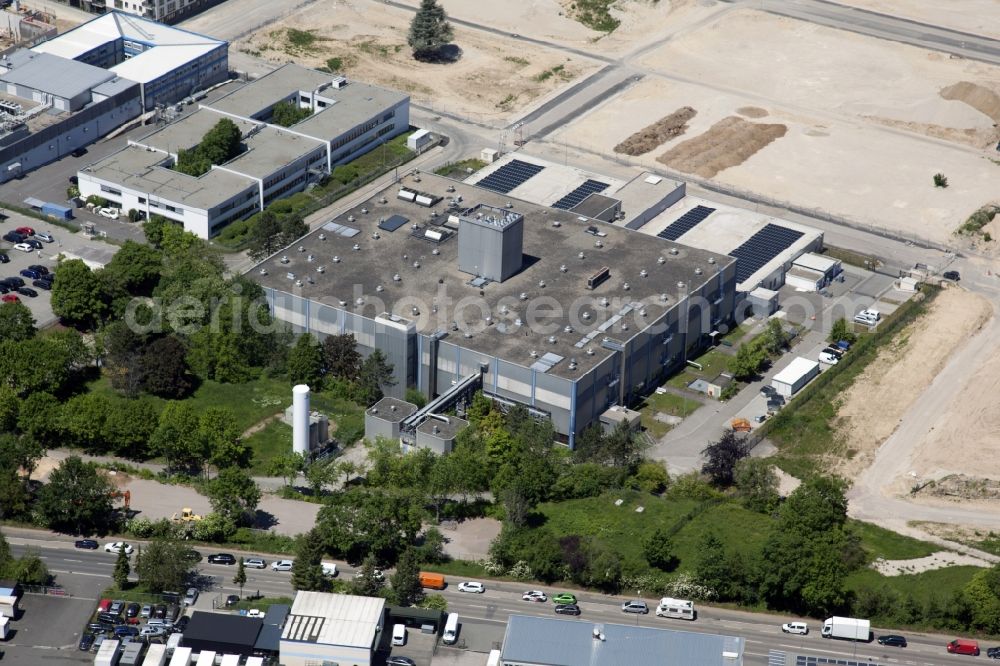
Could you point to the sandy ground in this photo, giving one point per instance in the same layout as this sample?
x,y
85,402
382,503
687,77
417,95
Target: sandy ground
x,y
470,539
728,143
642,21
980,17
855,109
493,78
938,560
873,406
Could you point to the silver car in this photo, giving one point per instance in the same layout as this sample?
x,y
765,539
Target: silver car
x,y
255,563
191,596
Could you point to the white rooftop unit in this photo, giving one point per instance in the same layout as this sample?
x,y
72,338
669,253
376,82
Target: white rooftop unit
x,y
156,655
799,372
182,657
818,262
206,658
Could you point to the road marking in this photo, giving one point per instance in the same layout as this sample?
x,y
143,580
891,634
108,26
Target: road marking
x,y
77,561
79,573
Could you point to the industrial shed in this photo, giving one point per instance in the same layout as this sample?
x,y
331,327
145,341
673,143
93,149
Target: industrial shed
x,y
799,372
230,634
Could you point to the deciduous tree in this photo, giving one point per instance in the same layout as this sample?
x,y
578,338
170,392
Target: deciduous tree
x,y
241,575
376,373
307,570
305,361
658,549
369,582
78,295
757,484
165,565
234,495
77,498
341,357
722,456
176,437
16,322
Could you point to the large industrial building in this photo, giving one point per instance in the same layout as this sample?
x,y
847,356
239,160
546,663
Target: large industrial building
x,y
168,63
766,247
549,641
347,120
51,106
539,305
70,91
327,628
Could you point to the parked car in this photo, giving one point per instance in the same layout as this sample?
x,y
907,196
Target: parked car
x,y
147,611
27,291
132,610
42,270
104,605
471,586
86,641
767,391
992,653
35,245
534,595
829,359
399,661
79,152
567,609
13,282
894,640
564,598
99,627
115,546
160,610
189,598
125,630
150,631
88,544
9,298
952,275
110,213
281,565
232,600
116,607
255,563
221,558
23,247
42,284
181,623
4,259
25,231
13,237
113,619
795,628
192,555
45,237
635,606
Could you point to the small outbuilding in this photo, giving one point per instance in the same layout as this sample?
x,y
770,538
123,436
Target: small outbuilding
x,y
617,414
805,279
828,267
419,140
799,372
762,302
438,433
217,632
384,417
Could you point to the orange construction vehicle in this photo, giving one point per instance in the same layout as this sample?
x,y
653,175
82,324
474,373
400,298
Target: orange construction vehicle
x,y
740,425
126,497
433,581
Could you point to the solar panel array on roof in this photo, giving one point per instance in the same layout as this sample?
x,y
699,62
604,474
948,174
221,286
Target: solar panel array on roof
x,y
341,230
589,187
545,363
761,248
804,660
392,223
685,222
509,176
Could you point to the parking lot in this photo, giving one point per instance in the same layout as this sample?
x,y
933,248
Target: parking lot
x,y
65,242
48,631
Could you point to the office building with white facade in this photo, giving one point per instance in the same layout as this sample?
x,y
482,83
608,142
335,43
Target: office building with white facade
x,y
347,119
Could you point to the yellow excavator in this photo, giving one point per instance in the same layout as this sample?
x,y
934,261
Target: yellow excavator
x,y
187,515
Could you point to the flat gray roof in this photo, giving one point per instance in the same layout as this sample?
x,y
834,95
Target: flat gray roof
x,y
445,429
139,169
428,274
391,409
594,205
52,74
354,103
187,132
558,642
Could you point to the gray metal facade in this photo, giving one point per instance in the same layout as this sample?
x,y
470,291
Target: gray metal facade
x,y
490,243
434,362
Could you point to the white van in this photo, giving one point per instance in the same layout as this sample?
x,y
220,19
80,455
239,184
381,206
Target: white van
x,y
795,628
682,609
399,634
329,569
450,629
828,358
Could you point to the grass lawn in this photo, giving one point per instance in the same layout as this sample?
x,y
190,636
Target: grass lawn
x,y
250,403
712,363
735,335
667,403
740,529
389,152
260,604
459,170
268,443
880,542
137,593
940,583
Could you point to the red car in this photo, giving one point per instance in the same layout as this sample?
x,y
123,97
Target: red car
x,y
9,298
104,606
25,231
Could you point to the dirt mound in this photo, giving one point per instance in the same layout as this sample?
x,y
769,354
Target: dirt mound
x,y
979,97
752,111
960,487
728,143
655,135
872,407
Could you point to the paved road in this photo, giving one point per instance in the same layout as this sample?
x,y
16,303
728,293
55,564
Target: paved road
x,y
503,599
884,26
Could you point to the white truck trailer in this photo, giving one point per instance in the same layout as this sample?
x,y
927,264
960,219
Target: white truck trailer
x,y
847,628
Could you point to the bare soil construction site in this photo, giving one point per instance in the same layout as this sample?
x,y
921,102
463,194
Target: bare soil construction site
x,y
853,108
872,407
490,77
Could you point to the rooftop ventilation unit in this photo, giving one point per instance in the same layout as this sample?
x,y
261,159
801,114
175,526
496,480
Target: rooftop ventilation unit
x,y
552,339
356,247
541,284
562,268
338,82
626,286
320,269
322,237
263,271
336,259
661,261
711,260
284,259
674,251
597,278
643,273
301,249
396,278
598,243
697,271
